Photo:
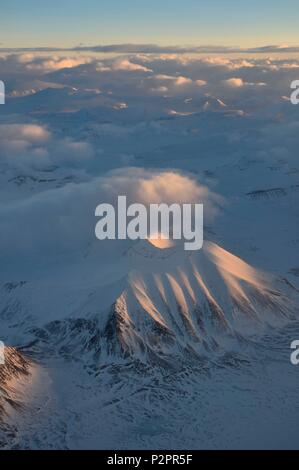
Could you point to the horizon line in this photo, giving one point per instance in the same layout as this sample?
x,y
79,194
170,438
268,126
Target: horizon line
x,y
148,48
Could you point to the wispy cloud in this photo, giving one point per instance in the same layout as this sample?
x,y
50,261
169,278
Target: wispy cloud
x,y
155,48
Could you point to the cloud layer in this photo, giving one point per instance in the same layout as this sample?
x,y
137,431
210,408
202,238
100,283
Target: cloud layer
x,y
155,48
80,128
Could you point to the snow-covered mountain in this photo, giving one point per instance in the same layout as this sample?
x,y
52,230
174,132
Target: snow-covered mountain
x,y
12,374
175,318
167,348
182,304
171,305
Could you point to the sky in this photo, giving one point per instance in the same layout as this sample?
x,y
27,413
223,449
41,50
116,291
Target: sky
x,y
68,23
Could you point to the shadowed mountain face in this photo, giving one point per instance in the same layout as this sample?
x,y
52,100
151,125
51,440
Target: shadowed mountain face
x,y
15,367
172,306
180,330
201,303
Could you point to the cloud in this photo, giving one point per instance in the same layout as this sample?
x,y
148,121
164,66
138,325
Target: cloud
x,y
228,63
239,83
33,146
154,79
205,49
121,65
159,89
155,48
62,220
32,133
54,63
182,80
200,82
154,186
26,57
179,81
235,82
34,62
160,109
127,65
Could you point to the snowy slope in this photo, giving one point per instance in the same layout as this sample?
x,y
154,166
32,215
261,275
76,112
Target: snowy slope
x,y
170,306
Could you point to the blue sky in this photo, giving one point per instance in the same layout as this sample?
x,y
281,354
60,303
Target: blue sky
x,y
66,23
